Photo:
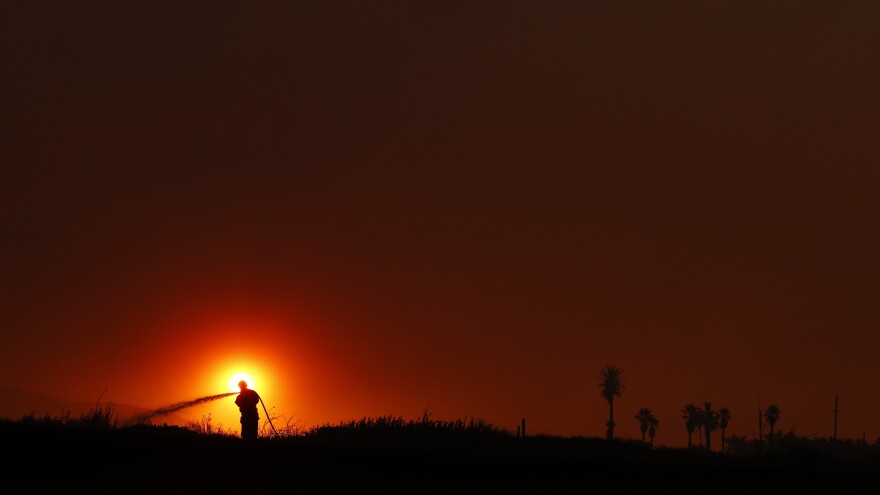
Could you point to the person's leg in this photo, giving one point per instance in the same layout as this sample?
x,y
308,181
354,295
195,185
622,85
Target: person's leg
x,y
249,428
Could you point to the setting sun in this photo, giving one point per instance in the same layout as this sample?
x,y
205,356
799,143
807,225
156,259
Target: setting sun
x,y
233,382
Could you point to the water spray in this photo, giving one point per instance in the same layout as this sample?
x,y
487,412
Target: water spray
x,y
181,405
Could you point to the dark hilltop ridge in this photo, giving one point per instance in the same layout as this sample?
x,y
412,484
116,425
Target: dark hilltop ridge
x,y
390,455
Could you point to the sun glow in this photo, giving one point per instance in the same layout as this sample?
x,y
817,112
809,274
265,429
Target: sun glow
x,y
227,373
233,381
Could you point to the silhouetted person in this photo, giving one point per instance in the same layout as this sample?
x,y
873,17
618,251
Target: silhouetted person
x,y
247,401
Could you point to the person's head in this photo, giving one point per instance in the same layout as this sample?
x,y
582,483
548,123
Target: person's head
x,y
242,384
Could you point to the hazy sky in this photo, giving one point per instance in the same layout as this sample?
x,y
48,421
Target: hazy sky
x,y
379,207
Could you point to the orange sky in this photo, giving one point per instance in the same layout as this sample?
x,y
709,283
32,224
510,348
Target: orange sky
x,y
386,207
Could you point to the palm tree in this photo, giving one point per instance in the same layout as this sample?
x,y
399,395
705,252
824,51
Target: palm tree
x,y
653,424
710,423
723,421
691,417
771,415
646,419
610,386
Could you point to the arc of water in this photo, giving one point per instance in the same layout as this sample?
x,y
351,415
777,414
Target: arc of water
x,y
181,405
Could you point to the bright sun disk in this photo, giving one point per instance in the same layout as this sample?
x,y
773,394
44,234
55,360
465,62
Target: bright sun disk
x,y
233,382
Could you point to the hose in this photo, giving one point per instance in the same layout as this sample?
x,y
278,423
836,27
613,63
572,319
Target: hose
x,y
268,418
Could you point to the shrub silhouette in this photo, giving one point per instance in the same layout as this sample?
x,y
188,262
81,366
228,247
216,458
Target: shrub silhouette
x,y
421,431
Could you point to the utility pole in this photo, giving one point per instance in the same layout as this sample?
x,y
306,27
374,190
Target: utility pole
x,y
836,410
760,432
760,427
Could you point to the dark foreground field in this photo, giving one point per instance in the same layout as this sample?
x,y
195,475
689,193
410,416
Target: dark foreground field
x,y
172,460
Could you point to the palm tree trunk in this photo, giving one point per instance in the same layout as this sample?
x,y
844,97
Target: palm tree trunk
x,y
722,438
610,432
690,439
770,438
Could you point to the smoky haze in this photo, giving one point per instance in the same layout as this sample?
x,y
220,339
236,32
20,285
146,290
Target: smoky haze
x,y
465,207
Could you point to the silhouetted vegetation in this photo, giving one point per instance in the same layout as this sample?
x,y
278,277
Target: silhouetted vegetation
x,y
791,449
771,416
709,419
418,448
205,425
648,423
610,386
100,416
691,415
423,431
430,454
723,423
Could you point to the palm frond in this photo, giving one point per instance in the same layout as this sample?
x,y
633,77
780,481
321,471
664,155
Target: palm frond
x,y
611,383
